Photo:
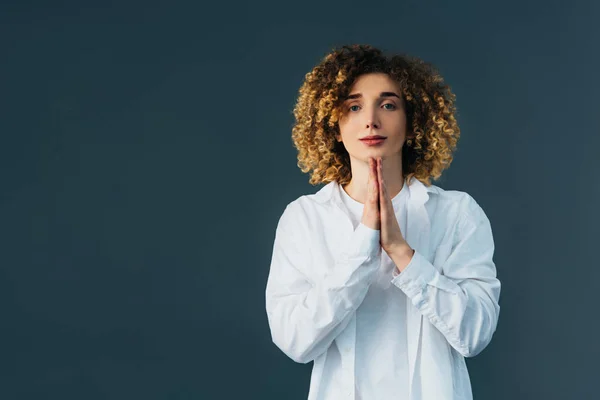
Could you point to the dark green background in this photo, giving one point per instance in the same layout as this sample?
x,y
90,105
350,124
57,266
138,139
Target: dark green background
x,y
146,158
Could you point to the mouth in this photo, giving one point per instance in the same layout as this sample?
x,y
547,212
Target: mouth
x,y
373,141
374,137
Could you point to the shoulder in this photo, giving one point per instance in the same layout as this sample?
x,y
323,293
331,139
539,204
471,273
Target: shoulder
x,y
309,211
295,213
456,203
311,203
449,198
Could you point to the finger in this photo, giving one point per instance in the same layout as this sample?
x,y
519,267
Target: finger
x,y
387,199
371,183
382,204
375,182
386,196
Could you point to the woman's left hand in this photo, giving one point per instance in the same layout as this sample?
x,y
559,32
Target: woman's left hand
x,y
391,237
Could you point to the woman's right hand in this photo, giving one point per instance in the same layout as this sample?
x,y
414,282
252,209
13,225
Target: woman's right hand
x,y
371,216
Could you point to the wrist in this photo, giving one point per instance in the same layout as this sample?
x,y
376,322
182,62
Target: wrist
x,y
402,255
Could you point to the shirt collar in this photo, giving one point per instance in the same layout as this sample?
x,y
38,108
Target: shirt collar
x,y
397,200
418,193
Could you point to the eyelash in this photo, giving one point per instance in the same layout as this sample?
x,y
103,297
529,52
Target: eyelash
x,y
386,104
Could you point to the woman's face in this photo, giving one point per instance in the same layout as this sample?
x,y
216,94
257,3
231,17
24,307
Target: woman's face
x,y
374,107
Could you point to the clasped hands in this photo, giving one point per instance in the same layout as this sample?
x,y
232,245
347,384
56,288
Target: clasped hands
x,y
379,213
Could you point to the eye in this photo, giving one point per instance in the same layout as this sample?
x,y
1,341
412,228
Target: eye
x,y
387,104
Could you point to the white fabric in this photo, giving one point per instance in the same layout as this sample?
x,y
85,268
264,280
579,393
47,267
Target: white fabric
x,y
381,320
335,298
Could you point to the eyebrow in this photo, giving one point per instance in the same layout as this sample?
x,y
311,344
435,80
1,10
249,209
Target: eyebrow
x,y
381,95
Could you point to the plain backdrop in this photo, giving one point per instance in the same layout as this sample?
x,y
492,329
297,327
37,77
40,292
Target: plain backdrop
x,y
146,157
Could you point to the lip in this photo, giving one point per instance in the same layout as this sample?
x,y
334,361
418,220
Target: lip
x,y
373,137
373,142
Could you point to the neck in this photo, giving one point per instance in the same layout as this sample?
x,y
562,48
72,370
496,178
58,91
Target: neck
x,y
392,176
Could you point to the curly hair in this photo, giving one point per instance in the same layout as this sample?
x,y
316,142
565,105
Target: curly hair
x,y
429,106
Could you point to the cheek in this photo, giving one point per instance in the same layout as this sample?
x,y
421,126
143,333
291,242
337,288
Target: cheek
x,y
347,127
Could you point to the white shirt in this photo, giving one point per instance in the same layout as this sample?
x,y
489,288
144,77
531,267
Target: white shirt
x,y
332,298
381,319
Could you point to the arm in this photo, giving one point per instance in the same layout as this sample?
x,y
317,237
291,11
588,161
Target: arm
x,y
305,316
463,302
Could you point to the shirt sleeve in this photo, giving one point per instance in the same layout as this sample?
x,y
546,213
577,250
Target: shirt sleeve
x,y
462,301
306,315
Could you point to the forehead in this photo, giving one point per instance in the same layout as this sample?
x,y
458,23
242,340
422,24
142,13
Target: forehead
x,y
373,83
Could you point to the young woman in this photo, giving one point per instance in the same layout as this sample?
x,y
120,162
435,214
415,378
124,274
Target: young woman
x,y
381,278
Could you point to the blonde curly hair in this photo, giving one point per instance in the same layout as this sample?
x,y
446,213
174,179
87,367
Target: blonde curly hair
x,y
432,129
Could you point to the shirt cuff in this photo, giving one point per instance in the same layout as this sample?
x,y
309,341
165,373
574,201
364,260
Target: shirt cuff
x,y
416,276
364,242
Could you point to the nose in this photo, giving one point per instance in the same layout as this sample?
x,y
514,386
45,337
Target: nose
x,y
372,123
